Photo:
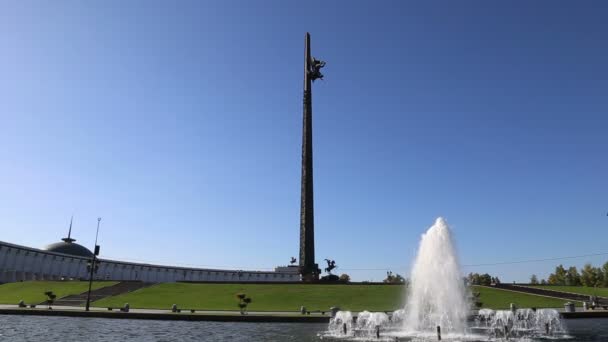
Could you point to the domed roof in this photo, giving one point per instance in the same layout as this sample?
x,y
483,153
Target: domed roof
x,y
69,248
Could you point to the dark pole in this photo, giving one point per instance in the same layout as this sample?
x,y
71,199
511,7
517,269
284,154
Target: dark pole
x,y
92,268
307,224
309,270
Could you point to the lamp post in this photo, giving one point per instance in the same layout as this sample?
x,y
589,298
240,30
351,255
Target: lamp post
x,y
93,265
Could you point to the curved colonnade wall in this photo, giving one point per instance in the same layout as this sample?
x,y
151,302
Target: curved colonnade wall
x,y
20,263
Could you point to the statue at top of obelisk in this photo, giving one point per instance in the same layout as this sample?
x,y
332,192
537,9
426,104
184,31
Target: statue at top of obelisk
x,y
309,270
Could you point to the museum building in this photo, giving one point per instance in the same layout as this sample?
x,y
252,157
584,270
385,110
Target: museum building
x,y
66,260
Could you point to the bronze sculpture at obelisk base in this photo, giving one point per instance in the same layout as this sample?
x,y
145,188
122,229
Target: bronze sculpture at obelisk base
x,y
309,270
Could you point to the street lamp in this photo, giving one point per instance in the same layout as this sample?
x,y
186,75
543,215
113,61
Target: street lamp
x,y
93,265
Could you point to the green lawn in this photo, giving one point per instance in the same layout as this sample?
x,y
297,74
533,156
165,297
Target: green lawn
x,y
271,297
32,292
290,297
501,299
599,291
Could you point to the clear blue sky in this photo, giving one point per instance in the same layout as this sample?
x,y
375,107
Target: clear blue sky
x,y
180,124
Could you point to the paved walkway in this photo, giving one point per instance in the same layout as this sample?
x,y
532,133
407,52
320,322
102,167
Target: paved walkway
x,y
568,296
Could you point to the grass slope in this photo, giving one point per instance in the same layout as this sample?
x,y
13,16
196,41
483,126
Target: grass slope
x,y
273,297
32,292
501,299
599,291
270,297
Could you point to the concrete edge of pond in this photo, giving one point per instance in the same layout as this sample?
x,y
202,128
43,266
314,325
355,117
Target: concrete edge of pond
x,y
585,314
253,318
257,318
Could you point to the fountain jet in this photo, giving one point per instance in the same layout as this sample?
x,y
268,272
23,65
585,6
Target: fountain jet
x,y
437,295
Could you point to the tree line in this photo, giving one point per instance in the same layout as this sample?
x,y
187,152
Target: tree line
x,y
589,276
481,279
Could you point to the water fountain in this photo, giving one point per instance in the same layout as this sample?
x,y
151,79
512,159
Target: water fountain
x,y
520,323
438,306
437,294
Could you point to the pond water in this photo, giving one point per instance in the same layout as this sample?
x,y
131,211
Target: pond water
x,y
72,329
38,328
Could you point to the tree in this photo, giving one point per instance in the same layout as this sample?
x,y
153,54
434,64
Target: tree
x,y
572,277
533,280
600,275
50,298
590,276
605,275
389,277
485,279
244,301
473,279
552,280
495,280
560,273
543,282
482,279
345,277
393,278
559,277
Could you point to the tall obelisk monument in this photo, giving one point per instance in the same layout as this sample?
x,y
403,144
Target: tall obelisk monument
x,y
308,268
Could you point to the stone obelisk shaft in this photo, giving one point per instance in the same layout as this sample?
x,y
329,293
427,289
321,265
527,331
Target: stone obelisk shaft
x,y
308,267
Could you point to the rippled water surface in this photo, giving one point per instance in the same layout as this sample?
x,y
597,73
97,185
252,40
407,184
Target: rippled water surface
x,y
38,328
68,329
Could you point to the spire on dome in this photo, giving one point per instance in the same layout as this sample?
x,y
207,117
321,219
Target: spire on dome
x,y
69,238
